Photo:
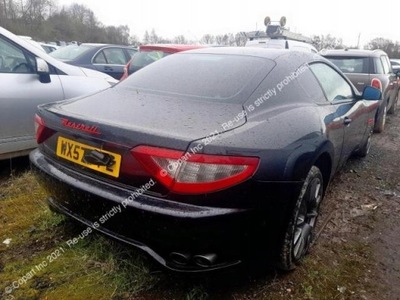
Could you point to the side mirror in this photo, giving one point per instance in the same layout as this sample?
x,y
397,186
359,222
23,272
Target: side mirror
x,y
397,73
42,69
371,93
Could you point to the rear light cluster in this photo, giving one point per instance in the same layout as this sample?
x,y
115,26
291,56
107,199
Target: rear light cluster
x,y
376,83
126,71
188,173
42,132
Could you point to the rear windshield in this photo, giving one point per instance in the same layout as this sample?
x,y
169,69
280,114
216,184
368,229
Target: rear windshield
x,y
70,52
202,76
144,58
351,64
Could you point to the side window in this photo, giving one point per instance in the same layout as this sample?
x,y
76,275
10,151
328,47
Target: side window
x,y
310,86
334,85
100,58
115,56
15,60
131,52
378,66
386,66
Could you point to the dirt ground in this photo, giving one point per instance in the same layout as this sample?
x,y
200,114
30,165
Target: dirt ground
x,y
364,203
357,254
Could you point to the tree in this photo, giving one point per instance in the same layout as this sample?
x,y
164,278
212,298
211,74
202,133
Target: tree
x,y
231,40
240,39
327,42
390,47
207,39
180,39
146,38
134,40
154,38
222,39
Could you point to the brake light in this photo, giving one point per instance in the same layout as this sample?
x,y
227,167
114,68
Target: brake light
x,y
42,132
126,71
188,173
376,83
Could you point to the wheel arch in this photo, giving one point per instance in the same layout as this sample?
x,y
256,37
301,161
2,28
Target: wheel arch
x,y
324,163
299,165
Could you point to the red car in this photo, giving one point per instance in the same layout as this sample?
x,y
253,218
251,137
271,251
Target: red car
x,y
148,54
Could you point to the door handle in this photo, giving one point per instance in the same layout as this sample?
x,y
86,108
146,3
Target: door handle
x,y
347,121
108,68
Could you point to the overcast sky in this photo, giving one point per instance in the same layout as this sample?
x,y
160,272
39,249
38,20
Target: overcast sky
x,y
169,18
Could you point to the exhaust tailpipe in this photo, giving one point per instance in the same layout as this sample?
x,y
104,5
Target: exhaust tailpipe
x,y
180,258
205,260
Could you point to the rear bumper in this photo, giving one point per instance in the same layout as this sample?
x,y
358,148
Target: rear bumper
x,y
154,225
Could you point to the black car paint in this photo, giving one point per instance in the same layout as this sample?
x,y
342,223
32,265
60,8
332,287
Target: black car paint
x,y
289,133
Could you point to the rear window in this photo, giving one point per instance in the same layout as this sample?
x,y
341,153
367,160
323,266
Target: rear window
x,y
70,52
351,64
202,76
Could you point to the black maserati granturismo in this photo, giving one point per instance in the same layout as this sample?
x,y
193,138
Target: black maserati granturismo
x,y
207,157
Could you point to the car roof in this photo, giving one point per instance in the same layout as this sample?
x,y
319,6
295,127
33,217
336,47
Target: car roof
x,y
170,47
352,52
103,45
280,44
253,51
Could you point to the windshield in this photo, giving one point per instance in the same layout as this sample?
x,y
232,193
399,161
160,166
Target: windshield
x,y
202,76
70,52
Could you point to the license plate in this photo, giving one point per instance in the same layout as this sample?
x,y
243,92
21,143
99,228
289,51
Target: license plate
x,y
90,157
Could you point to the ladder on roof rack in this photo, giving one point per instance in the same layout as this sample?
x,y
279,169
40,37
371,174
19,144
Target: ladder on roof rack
x,y
277,31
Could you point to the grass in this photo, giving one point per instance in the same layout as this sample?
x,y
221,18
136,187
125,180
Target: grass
x,y
95,268
99,268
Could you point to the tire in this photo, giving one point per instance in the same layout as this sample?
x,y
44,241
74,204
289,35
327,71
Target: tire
x,y
393,108
381,120
364,150
299,234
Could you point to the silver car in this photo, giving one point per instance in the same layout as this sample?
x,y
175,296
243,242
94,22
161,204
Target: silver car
x,y
29,77
369,67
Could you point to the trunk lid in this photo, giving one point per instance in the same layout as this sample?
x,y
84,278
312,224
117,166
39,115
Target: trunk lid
x,y
360,81
114,122
134,118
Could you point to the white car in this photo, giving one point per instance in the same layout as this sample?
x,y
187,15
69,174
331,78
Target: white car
x,y
29,77
48,47
281,44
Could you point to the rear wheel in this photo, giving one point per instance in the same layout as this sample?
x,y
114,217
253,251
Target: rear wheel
x,y
381,120
300,231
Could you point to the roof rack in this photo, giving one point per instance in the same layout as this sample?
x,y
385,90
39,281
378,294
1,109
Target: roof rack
x,y
277,30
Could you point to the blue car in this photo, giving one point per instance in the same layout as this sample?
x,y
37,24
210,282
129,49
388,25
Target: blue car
x,y
109,59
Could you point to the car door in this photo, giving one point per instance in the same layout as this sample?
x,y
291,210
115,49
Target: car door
x,y
21,93
111,60
347,111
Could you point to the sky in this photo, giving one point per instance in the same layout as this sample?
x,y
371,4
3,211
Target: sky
x,y
193,18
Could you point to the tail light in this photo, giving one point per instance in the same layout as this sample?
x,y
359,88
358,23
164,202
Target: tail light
x,y
126,71
42,132
188,173
376,83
